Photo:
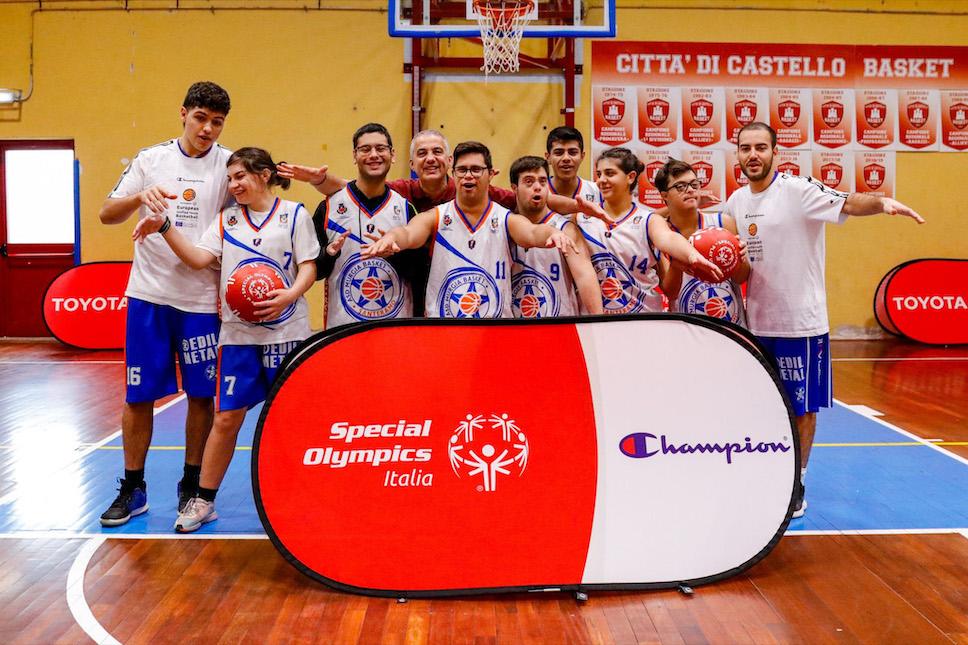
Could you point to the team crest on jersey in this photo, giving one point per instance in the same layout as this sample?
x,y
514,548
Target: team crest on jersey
x,y
370,227
637,219
283,217
471,243
493,223
256,241
370,289
469,292
533,296
713,300
233,220
447,219
620,293
341,209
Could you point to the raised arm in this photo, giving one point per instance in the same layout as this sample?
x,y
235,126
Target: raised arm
x,y
528,235
583,273
319,178
860,204
414,235
193,256
676,246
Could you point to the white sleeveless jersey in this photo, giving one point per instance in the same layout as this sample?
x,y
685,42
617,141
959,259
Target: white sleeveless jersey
x,y
469,266
201,187
722,300
541,284
587,189
283,237
359,290
625,261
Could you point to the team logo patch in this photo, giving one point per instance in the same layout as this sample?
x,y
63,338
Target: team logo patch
x,y
485,449
874,113
831,174
752,229
832,113
657,111
494,223
533,295
396,209
257,241
713,300
613,111
469,292
620,293
370,227
188,195
637,219
210,372
341,209
874,175
745,111
789,113
917,114
702,111
370,289
284,217
959,115
471,243
447,219
233,220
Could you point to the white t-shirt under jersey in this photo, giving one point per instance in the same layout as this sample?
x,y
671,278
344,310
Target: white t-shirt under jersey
x,y
283,237
784,231
201,186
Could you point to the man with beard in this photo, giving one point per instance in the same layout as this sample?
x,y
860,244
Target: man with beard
x,y
782,219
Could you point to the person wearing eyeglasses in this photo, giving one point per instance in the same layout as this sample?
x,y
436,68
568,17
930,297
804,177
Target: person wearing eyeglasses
x,y
680,188
782,218
361,289
471,240
625,246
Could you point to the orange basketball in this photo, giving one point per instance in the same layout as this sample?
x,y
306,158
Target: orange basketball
x,y
249,285
720,247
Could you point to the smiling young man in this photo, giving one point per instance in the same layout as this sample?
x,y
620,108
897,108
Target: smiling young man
x,y
171,308
471,248
366,289
782,219
565,151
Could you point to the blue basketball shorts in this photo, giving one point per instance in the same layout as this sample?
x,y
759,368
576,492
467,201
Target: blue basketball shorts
x,y
154,336
803,365
246,372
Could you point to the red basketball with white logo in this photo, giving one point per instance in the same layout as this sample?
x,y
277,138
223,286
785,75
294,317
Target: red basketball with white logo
x,y
720,247
249,285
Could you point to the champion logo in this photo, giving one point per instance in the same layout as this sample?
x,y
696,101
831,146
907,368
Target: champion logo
x,y
642,445
485,448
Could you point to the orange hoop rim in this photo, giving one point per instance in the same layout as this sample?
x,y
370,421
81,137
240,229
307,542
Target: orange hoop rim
x,y
516,9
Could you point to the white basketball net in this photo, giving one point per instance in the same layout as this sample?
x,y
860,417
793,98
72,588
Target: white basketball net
x,y
502,24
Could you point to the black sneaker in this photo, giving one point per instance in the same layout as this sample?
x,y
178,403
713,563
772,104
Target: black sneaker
x,y
800,505
184,494
126,505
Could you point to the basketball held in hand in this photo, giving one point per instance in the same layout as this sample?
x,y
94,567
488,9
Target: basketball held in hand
x,y
720,247
249,285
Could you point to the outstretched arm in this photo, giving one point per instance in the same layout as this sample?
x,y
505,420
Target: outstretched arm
x,y
116,210
859,204
583,273
528,235
676,246
319,178
187,252
414,235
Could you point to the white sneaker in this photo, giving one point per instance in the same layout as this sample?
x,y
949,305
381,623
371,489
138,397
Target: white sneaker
x,y
197,512
798,512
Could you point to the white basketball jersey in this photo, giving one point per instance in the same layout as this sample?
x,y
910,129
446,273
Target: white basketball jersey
x,y
541,284
587,189
359,290
723,300
201,188
625,261
469,265
283,237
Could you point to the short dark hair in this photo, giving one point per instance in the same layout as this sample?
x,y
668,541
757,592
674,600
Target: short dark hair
x,y
209,96
527,164
673,168
626,160
758,125
369,128
472,147
255,160
564,133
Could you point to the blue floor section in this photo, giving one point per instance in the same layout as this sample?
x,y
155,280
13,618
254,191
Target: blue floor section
x,y
848,488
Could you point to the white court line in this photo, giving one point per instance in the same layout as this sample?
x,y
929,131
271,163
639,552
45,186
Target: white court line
x,y
119,362
912,358
91,447
901,431
878,532
863,410
75,595
74,535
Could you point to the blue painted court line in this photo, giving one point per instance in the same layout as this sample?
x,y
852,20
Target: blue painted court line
x,y
848,488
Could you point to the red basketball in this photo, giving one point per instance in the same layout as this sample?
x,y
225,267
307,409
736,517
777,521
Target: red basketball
x,y
249,285
720,247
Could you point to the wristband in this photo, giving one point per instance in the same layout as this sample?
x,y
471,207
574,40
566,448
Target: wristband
x,y
164,227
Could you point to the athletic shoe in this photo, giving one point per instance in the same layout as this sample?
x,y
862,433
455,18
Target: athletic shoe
x,y
197,512
801,504
126,505
184,495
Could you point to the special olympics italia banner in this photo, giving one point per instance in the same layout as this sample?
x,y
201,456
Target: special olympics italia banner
x,y
436,457
925,301
85,306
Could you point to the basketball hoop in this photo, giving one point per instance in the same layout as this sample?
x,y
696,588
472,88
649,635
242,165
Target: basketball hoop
x,y
502,24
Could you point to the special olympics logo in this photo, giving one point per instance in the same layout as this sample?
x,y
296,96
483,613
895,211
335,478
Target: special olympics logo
x,y
469,293
724,255
487,448
620,293
533,296
370,289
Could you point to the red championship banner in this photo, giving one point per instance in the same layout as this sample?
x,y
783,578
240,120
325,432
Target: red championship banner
x,y
832,117
702,115
794,162
658,115
875,117
835,168
653,160
954,120
917,121
467,485
925,301
744,105
790,116
874,172
710,169
614,114
85,306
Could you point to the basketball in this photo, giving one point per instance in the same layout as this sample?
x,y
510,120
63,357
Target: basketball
x,y
249,285
720,247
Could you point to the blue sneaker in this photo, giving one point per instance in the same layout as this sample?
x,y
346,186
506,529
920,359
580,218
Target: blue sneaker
x,y
126,505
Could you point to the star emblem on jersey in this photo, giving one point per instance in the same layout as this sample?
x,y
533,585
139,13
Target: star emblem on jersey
x,y
370,289
620,293
485,448
533,296
469,293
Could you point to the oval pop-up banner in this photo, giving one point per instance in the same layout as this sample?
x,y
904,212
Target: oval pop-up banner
x,y
925,301
85,306
437,457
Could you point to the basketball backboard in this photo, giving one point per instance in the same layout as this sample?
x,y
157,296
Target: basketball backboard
x,y
456,19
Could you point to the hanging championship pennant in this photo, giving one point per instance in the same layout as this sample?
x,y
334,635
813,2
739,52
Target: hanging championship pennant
x,y
658,115
832,117
790,116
